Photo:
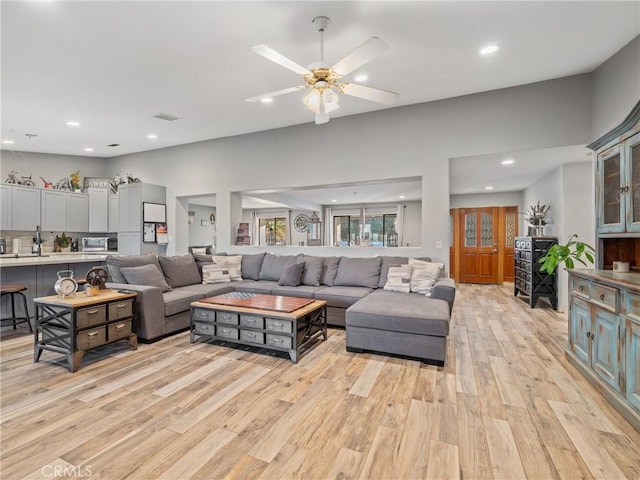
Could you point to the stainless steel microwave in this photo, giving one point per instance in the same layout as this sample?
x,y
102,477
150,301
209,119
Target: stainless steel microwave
x,y
95,244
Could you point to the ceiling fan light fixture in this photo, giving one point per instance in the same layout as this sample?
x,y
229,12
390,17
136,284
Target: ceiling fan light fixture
x,y
321,100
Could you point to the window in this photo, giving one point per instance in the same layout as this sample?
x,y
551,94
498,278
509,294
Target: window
x,y
273,231
346,229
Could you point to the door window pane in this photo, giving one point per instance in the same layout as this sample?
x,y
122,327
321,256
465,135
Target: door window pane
x,y
486,234
510,228
470,230
635,182
611,186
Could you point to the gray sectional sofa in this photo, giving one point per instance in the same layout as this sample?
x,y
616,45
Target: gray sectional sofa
x,y
406,324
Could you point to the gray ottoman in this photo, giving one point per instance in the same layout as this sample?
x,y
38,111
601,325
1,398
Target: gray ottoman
x,y
404,324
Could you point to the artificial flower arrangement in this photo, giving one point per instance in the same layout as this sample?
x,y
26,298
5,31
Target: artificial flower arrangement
x,y
537,214
116,181
74,178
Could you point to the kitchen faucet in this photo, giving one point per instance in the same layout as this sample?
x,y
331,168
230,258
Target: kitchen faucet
x,y
38,241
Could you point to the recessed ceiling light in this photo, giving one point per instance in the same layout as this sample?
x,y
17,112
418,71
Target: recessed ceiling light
x,y
488,187
361,78
401,197
489,49
152,136
73,124
334,201
266,100
8,142
508,161
88,149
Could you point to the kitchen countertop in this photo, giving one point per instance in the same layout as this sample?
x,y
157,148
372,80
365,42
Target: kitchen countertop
x,y
50,258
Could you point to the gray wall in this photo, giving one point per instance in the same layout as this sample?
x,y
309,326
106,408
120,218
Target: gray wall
x,y
201,234
616,88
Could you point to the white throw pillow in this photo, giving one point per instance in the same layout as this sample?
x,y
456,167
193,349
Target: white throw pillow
x,y
232,262
399,278
424,276
215,274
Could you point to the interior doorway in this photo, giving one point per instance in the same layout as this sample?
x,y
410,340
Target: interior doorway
x,y
482,244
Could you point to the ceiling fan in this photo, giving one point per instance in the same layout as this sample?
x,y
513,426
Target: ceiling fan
x,y
323,80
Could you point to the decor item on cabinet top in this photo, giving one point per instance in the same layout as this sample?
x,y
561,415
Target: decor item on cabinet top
x,y
75,181
572,250
121,180
61,243
48,185
537,216
63,184
14,178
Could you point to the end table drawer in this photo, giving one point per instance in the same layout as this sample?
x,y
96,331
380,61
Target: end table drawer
x,y
204,328
86,317
276,325
227,332
227,317
251,321
122,309
279,341
119,330
203,314
91,338
251,336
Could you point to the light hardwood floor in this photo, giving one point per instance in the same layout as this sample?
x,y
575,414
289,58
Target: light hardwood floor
x,y
507,405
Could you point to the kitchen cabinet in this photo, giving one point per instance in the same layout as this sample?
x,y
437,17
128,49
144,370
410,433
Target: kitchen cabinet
x,y
114,214
5,208
77,212
98,209
132,197
25,208
53,204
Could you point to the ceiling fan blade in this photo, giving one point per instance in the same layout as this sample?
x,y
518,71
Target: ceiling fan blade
x,y
366,52
322,118
276,93
369,93
271,54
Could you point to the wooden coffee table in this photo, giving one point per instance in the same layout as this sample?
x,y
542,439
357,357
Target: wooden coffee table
x,y
275,322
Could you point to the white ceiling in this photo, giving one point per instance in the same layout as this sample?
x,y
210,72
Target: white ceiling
x,y
112,66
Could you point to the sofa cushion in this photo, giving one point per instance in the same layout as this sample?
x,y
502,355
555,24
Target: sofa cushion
x,y
312,270
342,297
358,272
261,286
304,291
274,265
251,265
232,262
215,274
179,300
201,249
210,289
424,276
386,263
115,263
179,270
399,278
329,270
400,312
149,275
291,275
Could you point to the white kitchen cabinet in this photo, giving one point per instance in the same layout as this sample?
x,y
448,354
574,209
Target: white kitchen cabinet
x,y
77,212
129,243
54,210
5,206
98,209
25,208
114,213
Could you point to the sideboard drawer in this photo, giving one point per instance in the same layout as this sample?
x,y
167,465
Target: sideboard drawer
x,y
227,332
279,341
119,330
86,317
251,336
122,309
227,317
605,296
277,325
580,287
91,338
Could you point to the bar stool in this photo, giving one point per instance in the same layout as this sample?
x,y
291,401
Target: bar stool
x,y
14,290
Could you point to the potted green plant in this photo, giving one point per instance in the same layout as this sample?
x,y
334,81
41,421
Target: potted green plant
x,y
573,251
63,243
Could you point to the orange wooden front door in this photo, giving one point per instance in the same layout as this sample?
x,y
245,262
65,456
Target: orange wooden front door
x,y
478,242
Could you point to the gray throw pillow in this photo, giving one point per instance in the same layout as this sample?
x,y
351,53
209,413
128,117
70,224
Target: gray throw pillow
x,y
386,263
251,265
291,275
149,275
115,263
312,270
274,265
180,270
329,271
358,272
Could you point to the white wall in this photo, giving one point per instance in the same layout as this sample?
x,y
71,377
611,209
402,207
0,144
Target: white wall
x,y
201,234
415,140
616,88
498,199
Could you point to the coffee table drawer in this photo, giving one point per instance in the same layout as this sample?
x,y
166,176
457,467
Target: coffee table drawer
x,y
202,314
204,328
122,309
227,317
86,317
227,332
251,336
251,321
119,330
279,341
91,338
276,325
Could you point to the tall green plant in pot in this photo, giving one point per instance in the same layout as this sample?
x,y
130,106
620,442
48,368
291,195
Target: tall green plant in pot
x,y
573,251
